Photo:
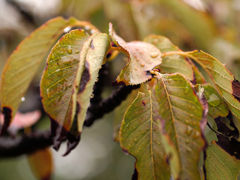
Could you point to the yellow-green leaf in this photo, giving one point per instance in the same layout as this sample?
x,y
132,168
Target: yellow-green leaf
x,y
216,104
220,164
184,117
198,75
173,156
226,83
174,63
92,57
57,80
24,61
41,164
140,136
142,57
59,85
120,111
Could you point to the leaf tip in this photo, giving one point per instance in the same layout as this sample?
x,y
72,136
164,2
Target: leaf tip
x,y
72,142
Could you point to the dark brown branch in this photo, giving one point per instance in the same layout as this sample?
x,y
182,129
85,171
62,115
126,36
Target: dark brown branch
x,y
98,87
96,111
26,144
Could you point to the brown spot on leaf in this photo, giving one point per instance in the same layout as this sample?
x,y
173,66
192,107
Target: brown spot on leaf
x,y
144,103
168,158
7,118
85,78
236,89
92,45
203,121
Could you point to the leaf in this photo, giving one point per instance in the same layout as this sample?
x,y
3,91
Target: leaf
x,y
120,111
57,82
41,164
92,57
218,109
220,164
173,157
226,83
141,137
184,115
199,78
24,62
217,105
142,57
173,63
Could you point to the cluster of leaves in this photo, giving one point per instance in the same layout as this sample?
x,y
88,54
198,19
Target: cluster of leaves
x,y
161,123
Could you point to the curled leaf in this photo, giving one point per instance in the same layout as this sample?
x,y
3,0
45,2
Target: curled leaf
x,y
67,83
57,83
92,57
142,57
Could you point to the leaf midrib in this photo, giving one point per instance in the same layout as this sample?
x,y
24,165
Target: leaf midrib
x,y
151,134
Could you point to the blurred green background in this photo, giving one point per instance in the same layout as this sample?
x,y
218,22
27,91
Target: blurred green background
x,y
213,26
